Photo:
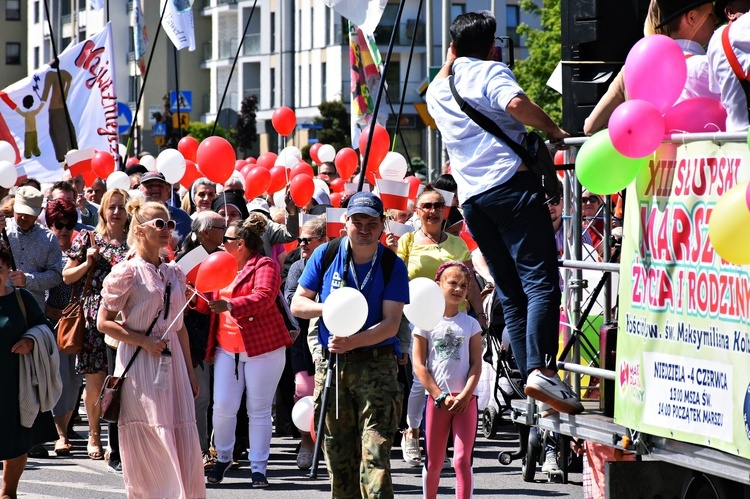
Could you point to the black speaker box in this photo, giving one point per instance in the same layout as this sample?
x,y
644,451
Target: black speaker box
x,y
596,38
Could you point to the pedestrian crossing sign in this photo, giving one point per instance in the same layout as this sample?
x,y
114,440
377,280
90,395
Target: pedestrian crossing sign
x,y
181,101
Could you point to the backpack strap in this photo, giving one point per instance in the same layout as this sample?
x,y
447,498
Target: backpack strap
x,y
389,261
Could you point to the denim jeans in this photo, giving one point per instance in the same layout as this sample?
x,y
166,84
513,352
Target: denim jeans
x,y
513,229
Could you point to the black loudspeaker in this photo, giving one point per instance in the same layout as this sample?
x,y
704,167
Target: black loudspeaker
x,y
596,38
608,360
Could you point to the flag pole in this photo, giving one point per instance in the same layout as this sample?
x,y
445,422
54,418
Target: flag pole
x,y
177,85
143,84
234,64
56,61
107,11
381,90
403,91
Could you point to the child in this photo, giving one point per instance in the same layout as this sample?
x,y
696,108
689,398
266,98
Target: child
x,y
448,362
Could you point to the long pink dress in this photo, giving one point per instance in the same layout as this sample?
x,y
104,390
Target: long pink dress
x,y
159,446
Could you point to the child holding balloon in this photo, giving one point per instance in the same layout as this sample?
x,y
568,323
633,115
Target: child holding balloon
x,y
448,362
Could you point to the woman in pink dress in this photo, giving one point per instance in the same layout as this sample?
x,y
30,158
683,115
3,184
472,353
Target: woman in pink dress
x,y
159,447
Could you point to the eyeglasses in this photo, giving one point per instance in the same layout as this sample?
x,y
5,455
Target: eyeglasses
x,y
160,223
327,173
306,240
432,206
61,226
226,239
553,201
222,227
590,199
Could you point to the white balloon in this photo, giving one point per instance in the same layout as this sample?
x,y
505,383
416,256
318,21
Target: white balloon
x,y
278,198
122,150
118,180
393,166
148,162
426,303
322,185
7,153
8,174
326,153
288,157
303,413
345,312
171,164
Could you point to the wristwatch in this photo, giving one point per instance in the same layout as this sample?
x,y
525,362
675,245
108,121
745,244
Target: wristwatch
x,y
229,305
441,398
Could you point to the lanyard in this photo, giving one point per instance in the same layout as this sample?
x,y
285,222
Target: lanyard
x,y
353,272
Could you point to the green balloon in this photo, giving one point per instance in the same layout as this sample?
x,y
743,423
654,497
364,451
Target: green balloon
x,y
603,170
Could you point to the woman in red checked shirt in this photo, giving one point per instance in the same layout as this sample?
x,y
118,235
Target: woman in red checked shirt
x,y
247,342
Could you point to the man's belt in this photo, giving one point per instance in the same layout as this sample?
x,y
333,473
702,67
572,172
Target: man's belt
x,y
363,354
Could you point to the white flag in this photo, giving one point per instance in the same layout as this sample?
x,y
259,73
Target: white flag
x,y
97,4
178,24
363,13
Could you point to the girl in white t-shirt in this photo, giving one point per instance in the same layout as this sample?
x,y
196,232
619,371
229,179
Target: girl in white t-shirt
x,y
448,362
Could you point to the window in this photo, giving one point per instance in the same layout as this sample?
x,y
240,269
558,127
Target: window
x,y
36,11
37,58
323,79
13,54
273,88
134,88
512,16
328,25
273,32
12,10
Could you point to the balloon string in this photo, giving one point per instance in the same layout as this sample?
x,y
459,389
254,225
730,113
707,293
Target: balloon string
x,y
226,209
179,314
337,387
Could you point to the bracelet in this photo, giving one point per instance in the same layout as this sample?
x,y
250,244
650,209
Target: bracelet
x,y
441,398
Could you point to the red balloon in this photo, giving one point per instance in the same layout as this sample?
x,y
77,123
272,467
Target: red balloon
x,y
216,272
191,174
560,158
240,164
314,152
301,188
188,147
215,158
256,182
336,199
301,168
371,176
267,160
278,179
88,177
250,160
102,164
381,144
414,184
346,162
246,169
283,120
337,184
131,161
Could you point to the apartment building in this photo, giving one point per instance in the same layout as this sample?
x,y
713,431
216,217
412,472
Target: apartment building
x,y
13,41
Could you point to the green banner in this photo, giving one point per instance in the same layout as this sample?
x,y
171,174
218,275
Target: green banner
x,y
683,349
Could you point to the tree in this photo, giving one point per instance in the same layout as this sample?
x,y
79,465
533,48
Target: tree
x,y
246,133
545,52
200,131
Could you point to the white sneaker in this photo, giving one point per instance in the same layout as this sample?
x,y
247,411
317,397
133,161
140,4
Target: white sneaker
x,y
410,449
550,462
552,391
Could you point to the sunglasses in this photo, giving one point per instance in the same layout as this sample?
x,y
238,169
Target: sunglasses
x,y
226,239
553,201
306,240
432,206
327,173
159,224
589,199
61,226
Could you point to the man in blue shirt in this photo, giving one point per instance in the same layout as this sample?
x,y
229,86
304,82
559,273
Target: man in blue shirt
x,y
369,396
503,201
156,188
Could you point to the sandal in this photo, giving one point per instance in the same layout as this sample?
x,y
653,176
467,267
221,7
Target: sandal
x,y
62,448
259,480
216,475
94,450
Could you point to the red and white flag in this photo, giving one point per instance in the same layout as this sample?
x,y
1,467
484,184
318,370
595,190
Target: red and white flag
x,y
393,193
79,162
191,262
335,221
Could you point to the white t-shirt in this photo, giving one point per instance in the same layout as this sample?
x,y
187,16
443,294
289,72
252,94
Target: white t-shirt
x,y
723,78
448,350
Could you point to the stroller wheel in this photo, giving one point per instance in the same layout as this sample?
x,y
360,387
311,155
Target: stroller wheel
x,y
489,422
533,451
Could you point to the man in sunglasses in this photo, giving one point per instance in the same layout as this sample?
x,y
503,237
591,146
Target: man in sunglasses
x,y
156,188
35,248
503,202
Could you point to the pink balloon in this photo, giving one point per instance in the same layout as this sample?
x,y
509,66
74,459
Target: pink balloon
x,y
636,128
655,71
699,114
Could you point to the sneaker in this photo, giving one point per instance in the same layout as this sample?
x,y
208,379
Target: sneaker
x,y
410,449
552,391
550,462
114,466
208,461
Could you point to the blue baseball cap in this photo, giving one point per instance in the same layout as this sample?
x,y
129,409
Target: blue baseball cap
x,y
365,203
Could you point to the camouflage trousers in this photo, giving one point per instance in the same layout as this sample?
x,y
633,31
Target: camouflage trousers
x,y
357,445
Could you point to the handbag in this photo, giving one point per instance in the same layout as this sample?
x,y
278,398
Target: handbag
x,y
533,151
290,321
72,323
109,396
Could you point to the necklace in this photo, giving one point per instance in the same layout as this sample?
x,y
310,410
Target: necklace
x,y
437,243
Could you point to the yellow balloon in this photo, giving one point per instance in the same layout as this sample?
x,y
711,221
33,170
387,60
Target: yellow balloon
x,y
729,225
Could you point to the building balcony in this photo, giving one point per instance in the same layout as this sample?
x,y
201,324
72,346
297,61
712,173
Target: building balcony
x,y
251,45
